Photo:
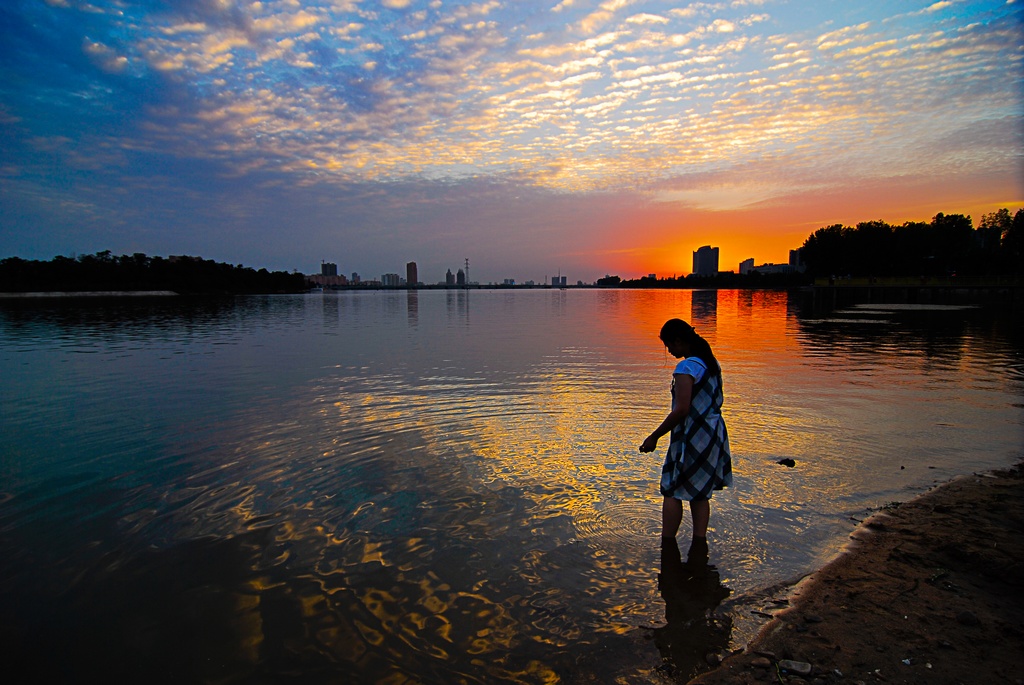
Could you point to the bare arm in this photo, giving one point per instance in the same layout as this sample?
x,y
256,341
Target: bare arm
x,y
683,393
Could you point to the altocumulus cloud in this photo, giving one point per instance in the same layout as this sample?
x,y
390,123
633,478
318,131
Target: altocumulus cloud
x,y
279,132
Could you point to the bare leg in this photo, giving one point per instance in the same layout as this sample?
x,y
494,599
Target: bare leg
x,y
700,512
671,517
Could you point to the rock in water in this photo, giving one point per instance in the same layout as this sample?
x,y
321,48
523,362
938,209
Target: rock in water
x,y
796,667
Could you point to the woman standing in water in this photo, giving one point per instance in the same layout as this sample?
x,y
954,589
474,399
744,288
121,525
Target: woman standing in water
x,y
698,460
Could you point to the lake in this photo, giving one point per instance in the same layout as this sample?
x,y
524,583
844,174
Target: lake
x,y
445,486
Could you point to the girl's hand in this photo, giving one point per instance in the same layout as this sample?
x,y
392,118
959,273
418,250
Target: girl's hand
x,y
650,444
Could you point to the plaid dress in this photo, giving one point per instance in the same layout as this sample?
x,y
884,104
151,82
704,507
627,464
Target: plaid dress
x,y
698,460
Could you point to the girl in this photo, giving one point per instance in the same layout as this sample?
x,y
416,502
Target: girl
x,y
698,460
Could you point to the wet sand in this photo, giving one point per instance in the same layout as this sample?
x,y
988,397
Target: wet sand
x,y
930,592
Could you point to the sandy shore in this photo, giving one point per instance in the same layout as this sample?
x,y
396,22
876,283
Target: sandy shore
x,y
930,592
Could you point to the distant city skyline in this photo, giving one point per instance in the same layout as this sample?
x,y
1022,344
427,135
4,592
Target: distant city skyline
x,y
584,136
705,262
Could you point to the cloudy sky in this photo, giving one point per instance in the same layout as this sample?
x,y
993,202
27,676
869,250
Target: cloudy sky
x,y
531,136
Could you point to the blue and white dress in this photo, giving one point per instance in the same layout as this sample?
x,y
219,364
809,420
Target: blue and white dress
x,y
698,460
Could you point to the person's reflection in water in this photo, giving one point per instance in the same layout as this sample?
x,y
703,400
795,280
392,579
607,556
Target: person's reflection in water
x,y
691,592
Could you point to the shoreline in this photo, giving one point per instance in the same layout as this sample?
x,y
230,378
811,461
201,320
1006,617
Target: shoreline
x,y
928,592
88,293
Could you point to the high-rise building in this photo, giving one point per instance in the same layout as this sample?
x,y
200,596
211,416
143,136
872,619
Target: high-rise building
x,y
746,265
328,276
412,277
796,259
705,261
460,278
449,278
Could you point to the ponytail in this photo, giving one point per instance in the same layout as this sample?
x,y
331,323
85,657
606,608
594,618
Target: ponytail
x,y
677,329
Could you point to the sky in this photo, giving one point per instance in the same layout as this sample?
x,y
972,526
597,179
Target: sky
x,y
533,138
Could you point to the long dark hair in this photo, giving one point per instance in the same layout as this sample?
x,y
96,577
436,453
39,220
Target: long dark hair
x,y
677,329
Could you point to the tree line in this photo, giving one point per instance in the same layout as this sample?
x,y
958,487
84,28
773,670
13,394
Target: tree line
x,y
105,272
947,246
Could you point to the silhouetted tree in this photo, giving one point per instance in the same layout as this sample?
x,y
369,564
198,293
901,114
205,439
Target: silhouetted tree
x,y
824,251
951,240
103,272
1012,245
870,248
948,245
910,252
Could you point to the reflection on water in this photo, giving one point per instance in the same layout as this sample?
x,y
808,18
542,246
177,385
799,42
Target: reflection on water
x,y
693,631
445,485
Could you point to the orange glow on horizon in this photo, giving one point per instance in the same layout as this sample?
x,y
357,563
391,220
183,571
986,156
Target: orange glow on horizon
x,y
661,239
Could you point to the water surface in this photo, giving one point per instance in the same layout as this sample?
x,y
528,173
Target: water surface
x,y
445,486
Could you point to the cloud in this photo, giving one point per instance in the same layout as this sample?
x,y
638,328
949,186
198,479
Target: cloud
x,y
647,19
463,12
285,22
609,97
186,27
604,14
105,57
584,95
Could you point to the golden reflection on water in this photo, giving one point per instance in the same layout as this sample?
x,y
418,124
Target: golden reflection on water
x,y
564,440
562,434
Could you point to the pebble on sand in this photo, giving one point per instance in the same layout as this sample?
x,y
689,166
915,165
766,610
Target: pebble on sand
x,y
797,667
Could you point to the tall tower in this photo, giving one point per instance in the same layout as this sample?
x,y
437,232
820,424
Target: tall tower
x,y
412,277
467,272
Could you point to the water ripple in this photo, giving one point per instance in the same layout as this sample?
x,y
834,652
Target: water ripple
x,y
446,486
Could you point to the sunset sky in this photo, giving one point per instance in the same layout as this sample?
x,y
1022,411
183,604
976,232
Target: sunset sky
x,y
584,137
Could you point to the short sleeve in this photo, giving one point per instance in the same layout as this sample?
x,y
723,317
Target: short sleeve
x,y
693,367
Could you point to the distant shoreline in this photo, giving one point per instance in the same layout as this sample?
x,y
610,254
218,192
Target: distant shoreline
x,y
89,293
880,289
